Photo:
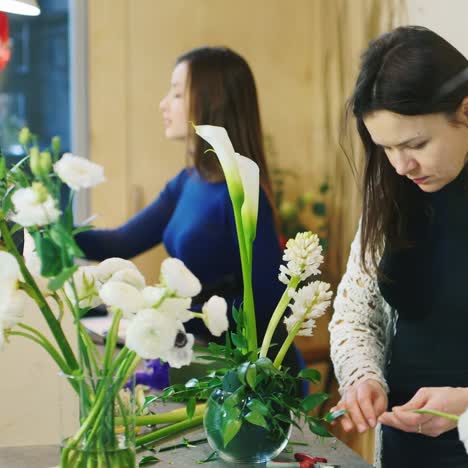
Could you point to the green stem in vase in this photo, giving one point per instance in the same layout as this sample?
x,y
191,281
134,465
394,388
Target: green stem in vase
x,y
277,316
52,322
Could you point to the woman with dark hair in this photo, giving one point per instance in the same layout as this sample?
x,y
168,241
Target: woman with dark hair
x,y
193,215
398,335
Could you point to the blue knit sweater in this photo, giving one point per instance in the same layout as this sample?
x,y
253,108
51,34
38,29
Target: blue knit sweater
x,y
194,219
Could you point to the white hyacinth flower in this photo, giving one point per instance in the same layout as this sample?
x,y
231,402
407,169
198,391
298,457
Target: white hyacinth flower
x,y
179,279
78,172
107,268
215,315
86,287
303,255
181,354
34,207
130,276
122,296
310,303
463,429
151,334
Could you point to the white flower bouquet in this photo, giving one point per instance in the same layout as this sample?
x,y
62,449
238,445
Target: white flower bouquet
x,y
48,281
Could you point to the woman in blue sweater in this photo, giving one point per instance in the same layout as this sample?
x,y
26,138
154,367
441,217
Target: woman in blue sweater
x,y
193,215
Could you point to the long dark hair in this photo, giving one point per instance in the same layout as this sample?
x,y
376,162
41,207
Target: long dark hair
x,y
222,92
410,71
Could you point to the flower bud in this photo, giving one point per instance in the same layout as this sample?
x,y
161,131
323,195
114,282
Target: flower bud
x,y
55,144
307,197
288,210
45,162
2,167
40,191
24,136
35,161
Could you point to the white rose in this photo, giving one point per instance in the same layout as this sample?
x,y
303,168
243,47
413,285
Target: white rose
x,y
215,315
130,276
78,172
32,210
110,266
179,279
463,429
122,296
151,334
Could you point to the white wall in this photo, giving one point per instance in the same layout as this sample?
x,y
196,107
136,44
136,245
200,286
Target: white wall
x,y
448,18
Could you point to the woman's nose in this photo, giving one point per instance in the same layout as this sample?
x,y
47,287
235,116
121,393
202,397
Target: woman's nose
x,y
403,163
162,104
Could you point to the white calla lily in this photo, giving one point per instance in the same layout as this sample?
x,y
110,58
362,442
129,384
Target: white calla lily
x,y
218,138
250,176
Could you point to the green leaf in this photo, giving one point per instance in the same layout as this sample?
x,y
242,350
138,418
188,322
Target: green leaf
x,y
191,383
63,238
313,400
332,416
149,460
213,456
59,280
256,418
251,376
190,407
317,428
258,407
312,375
148,400
49,253
231,426
242,371
81,229
239,341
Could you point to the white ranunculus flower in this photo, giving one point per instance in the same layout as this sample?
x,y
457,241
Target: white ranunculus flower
x,y
130,276
107,268
215,315
78,172
179,279
463,429
12,305
177,308
151,334
122,296
87,287
153,295
33,210
9,270
181,354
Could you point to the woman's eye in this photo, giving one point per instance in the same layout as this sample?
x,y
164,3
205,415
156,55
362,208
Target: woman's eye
x,y
419,145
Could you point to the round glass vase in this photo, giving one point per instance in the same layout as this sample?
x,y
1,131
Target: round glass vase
x,y
97,422
251,444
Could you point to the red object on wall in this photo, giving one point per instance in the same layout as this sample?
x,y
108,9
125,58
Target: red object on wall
x,y
5,49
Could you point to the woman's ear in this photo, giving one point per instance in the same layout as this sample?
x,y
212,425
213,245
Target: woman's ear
x,y
462,112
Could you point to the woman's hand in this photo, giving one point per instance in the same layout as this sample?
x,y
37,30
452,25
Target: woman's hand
x,y
364,402
452,400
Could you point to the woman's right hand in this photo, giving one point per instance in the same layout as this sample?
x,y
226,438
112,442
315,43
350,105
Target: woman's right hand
x,y
364,402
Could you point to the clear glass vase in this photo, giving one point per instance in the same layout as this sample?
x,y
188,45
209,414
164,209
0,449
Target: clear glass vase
x,y
97,422
252,444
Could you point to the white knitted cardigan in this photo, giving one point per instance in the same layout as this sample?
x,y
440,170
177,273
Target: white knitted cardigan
x,y
361,328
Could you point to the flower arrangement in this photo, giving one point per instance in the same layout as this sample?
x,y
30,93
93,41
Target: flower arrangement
x,y
46,279
249,395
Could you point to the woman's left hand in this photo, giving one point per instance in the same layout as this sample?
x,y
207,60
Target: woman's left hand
x,y
452,400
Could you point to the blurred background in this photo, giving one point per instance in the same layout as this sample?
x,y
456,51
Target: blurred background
x,y
94,72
